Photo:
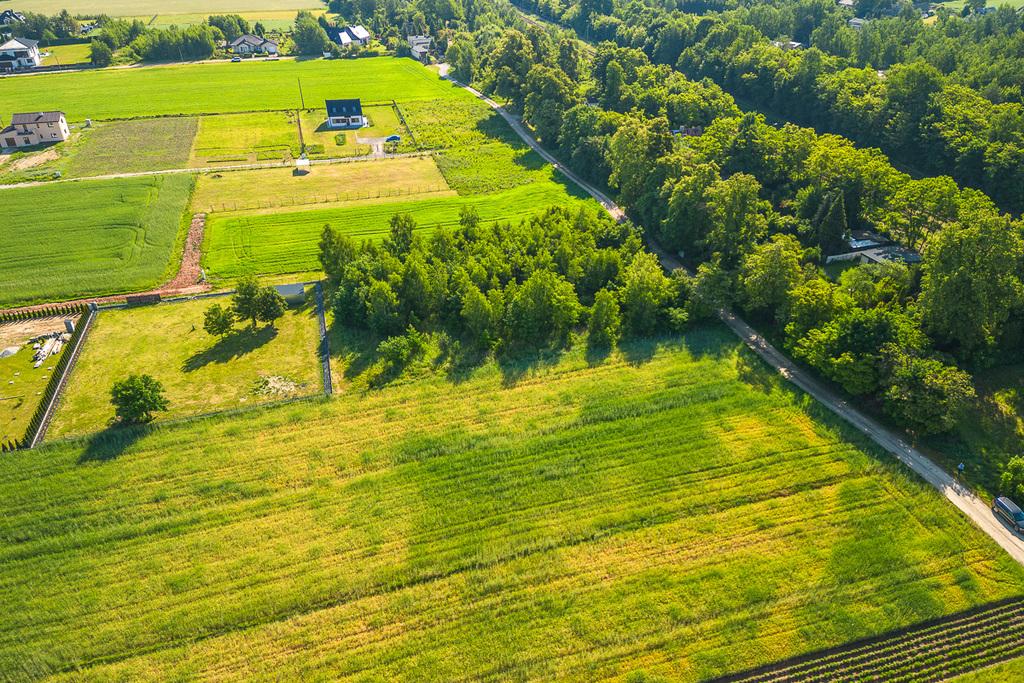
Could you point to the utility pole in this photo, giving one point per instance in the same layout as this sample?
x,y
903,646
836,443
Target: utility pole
x,y
302,99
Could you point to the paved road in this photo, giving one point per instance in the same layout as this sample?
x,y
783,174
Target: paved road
x,y
216,169
970,504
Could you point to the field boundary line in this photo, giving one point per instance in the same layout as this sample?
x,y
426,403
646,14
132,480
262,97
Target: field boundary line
x,y
58,392
325,344
970,504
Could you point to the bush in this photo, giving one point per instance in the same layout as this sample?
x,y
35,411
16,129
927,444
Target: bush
x,y
339,139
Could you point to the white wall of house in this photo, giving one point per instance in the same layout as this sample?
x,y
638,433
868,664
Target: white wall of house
x,y
20,58
27,135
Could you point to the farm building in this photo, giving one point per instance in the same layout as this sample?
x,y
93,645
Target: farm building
x,y
36,128
347,36
249,44
345,114
20,53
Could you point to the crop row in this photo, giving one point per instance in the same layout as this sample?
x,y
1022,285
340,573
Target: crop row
x,y
931,652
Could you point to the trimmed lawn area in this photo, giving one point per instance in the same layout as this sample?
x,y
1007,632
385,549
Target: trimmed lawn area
x,y
326,183
62,55
223,87
267,242
384,121
133,146
671,512
98,237
246,138
200,373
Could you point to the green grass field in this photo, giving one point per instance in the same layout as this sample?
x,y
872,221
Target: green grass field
x,y
246,138
334,183
271,242
98,237
133,146
669,513
223,87
272,20
122,8
200,373
63,55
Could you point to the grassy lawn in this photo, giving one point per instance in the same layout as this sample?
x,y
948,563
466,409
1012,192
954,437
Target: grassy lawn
x,y
266,242
335,183
133,146
669,512
223,87
67,54
384,121
200,373
98,237
147,8
246,138
20,382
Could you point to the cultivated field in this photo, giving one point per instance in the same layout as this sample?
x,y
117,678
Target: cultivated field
x,y
246,138
148,8
67,240
200,373
272,20
272,242
673,512
223,87
133,146
274,188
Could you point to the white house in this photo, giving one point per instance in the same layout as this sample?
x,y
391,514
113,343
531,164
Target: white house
x,y
35,128
348,36
19,53
253,45
345,114
358,34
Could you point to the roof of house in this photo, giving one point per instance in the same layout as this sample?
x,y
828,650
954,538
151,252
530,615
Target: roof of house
x,y
287,291
9,15
250,39
15,43
338,35
37,117
358,33
336,108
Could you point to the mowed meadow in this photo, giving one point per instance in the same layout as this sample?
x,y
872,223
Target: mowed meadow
x,y
67,240
672,511
221,87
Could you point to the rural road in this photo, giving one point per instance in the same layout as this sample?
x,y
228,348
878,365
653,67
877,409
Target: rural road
x,y
970,504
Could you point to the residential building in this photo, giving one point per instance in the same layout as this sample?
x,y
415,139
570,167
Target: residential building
x,y
9,17
348,36
252,45
35,128
419,46
857,23
788,44
20,53
345,114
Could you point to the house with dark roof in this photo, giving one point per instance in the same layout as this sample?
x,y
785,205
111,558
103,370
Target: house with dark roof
x,y
35,128
347,36
249,44
345,114
9,16
20,53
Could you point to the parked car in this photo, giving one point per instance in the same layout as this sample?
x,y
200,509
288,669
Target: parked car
x,y
1010,511
236,59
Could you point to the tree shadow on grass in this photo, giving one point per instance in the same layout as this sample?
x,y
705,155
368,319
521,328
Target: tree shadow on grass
x,y
112,442
234,345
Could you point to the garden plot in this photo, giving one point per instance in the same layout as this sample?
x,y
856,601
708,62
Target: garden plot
x,y
246,138
133,146
29,351
200,373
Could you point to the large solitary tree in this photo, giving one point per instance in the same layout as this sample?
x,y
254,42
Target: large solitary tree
x,y
136,398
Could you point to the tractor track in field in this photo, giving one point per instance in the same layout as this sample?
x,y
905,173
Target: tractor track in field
x,y
928,652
